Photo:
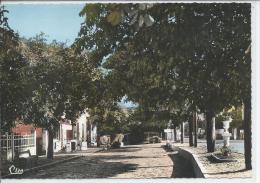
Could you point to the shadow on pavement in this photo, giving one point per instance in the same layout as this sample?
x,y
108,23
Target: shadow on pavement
x,y
123,149
182,168
118,157
83,168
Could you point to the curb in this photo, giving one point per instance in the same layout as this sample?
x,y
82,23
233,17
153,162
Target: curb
x,y
199,165
41,166
198,168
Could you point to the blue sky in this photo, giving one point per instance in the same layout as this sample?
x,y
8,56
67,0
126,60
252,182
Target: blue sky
x,y
59,21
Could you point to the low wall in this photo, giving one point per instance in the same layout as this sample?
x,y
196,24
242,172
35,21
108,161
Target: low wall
x,y
7,155
197,166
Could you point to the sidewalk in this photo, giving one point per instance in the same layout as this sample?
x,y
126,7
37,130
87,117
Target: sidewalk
x,y
42,162
133,161
77,153
217,170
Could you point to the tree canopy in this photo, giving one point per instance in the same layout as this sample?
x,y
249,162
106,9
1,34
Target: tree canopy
x,y
186,52
162,54
172,59
13,91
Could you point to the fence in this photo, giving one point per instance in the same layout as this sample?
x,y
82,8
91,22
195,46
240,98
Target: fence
x,y
11,144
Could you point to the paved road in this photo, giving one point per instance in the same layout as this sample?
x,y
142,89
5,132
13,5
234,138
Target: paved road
x,y
235,145
138,161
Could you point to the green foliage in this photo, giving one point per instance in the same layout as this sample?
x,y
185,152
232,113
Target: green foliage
x,y
13,91
190,54
225,151
111,119
237,119
223,116
235,113
61,82
149,119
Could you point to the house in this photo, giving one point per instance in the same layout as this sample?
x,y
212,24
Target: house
x,y
70,136
78,135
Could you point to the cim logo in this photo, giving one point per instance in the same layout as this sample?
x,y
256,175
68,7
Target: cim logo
x,y
13,170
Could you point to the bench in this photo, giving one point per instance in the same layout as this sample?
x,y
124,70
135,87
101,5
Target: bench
x,y
25,160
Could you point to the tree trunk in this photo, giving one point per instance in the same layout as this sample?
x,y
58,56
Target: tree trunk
x,y
50,144
191,131
211,136
182,132
89,133
175,135
247,134
195,118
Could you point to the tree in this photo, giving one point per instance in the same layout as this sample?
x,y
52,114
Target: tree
x,y
110,118
245,89
61,82
191,122
236,114
13,91
223,32
47,103
195,123
192,48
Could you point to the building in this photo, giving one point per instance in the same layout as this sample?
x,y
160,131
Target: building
x,y
69,137
75,136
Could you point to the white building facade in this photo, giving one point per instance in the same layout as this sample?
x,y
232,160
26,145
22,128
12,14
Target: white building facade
x,y
75,136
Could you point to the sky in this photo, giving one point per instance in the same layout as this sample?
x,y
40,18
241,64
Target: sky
x,y
60,22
